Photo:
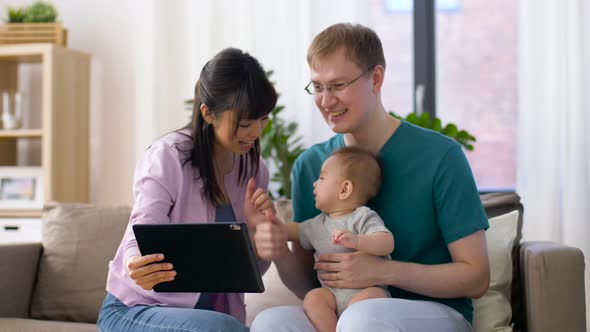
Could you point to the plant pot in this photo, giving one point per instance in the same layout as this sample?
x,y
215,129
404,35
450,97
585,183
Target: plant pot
x,y
27,33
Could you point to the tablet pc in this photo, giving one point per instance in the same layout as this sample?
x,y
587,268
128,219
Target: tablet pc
x,y
206,257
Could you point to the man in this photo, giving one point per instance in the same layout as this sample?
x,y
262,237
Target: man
x,y
428,199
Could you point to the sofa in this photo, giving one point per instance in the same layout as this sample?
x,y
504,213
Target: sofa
x,y
58,284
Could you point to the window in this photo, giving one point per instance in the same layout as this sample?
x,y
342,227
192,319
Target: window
x,y
407,6
395,30
477,84
473,82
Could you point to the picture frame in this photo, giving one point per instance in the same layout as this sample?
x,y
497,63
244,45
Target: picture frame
x,y
21,188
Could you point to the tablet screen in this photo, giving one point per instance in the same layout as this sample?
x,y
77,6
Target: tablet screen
x,y
215,257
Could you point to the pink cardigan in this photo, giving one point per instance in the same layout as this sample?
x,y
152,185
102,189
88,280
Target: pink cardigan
x,y
167,192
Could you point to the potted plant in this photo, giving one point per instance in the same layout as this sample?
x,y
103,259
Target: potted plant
x,y
36,23
451,130
281,145
38,12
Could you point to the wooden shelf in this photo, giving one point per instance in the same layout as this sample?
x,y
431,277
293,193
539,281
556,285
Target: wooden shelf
x,y
26,33
25,53
64,123
21,213
17,133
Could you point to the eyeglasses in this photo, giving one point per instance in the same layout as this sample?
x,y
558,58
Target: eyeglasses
x,y
318,89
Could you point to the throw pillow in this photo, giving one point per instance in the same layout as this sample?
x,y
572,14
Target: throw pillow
x,y
492,312
78,240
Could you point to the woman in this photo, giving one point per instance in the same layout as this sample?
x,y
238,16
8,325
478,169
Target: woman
x,y
204,172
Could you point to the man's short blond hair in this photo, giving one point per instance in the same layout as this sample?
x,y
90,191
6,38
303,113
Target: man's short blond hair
x,y
362,45
361,167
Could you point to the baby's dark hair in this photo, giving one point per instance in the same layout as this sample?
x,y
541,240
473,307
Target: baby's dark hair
x,y
363,168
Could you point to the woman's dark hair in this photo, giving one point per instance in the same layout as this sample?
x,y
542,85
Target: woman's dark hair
x,y
232,81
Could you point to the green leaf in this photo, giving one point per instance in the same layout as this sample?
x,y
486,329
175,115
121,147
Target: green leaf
x,y
292,127
295,142
281,145
462,134
16,15
436,125
40,12
267,129
462,137
278,109
412,118
424,120
450,130
395,115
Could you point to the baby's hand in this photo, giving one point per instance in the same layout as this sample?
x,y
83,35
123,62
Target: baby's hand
x,y
256,203
345,238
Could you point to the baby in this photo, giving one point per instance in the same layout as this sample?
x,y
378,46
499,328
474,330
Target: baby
x,y
348,179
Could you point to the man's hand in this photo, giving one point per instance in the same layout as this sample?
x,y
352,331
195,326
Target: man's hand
x,y
350,270
345,238
270,238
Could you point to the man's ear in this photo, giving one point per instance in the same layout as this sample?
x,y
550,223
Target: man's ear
x,y
345,189
205,114
378,77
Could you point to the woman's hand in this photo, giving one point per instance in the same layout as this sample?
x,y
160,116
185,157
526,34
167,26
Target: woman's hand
x,y
147,275
350,270
256,203
270,238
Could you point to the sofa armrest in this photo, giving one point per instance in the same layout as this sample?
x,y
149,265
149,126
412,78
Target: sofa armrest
x,y
18,270
553,284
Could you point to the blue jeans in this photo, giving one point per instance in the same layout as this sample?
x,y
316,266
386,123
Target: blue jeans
x,y
375,315
115,316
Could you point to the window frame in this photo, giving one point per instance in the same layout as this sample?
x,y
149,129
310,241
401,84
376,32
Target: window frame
x,y
424,41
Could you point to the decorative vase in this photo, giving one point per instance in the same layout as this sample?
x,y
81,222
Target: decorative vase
x,y
11,110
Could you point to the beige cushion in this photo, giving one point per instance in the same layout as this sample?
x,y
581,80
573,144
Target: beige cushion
x,y
33,325
497,204
492,312
78,242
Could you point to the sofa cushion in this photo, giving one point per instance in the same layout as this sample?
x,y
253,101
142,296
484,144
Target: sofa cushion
x,y
18,270
78,242
492,312
34,325
497,204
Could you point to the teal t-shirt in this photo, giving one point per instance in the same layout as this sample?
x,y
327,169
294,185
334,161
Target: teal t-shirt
x,y
428,198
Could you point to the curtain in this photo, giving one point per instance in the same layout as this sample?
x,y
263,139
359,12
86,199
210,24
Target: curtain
x,y
554,128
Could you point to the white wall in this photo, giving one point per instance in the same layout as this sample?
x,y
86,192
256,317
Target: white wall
x,y
119,35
